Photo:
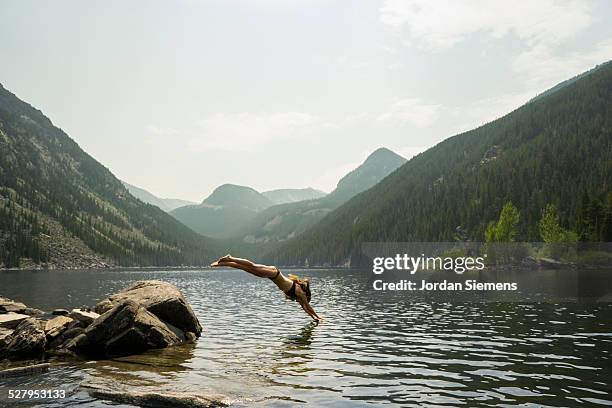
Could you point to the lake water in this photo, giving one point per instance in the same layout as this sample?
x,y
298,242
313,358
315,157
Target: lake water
x,y
260,350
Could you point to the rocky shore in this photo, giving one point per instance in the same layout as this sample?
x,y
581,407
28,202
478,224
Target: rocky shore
x,y
145,315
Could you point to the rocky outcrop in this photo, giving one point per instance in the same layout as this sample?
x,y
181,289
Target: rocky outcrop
x,y
56,326
83,316
148,314
160,298
126,328
28,339
11,306
11,320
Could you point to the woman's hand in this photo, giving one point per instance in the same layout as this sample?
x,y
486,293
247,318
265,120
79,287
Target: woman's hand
x,y
303,301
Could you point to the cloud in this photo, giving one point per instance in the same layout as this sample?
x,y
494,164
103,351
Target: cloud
x,y
410,151
329,179
411,111
241,131
161,131
472,115
543,27
441,24
543,69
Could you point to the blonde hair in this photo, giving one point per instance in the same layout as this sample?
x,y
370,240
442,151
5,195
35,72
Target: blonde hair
x,y
304,284
297,279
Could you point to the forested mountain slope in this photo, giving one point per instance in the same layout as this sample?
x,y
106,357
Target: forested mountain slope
x,y
555,149
60,206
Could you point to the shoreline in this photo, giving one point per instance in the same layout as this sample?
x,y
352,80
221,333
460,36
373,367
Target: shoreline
x,y
156,268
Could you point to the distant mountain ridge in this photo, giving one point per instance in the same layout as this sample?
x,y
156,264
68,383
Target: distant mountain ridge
x,y
293,195
282,222
244,215
59,206
222,212
166,204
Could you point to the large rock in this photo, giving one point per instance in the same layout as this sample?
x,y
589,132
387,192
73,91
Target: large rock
x,y
11,320
4,334
11,306
160,298
83,316
126,328
28,339
56,326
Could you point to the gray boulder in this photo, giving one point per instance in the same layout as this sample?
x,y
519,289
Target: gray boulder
x,y
160,298
11,320
59,343
28,339
83,316
11,306
55,326
126,328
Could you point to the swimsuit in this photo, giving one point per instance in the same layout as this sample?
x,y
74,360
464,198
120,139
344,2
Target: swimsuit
x,y
291,292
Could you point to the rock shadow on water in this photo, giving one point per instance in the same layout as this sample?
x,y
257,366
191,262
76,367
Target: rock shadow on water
x,y
152,367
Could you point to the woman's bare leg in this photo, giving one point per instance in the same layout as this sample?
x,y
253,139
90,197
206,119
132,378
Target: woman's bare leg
x,y
263,271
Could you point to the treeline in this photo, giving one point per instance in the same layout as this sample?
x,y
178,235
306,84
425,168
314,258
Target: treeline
x,y
594,224
20,236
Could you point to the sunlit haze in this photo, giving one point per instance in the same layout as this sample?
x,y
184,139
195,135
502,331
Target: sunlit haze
x,y
178,97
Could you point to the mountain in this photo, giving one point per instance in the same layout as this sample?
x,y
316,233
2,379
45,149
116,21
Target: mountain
x,y
60,206
555,149
293,195
285,221
376,167
228,208
166,204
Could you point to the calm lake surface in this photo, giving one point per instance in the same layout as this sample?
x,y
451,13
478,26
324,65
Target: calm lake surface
x,y
260,350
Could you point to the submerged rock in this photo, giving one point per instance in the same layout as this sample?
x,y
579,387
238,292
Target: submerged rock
x,y
151,399
60,312
27,370
28,339
160,298
126,328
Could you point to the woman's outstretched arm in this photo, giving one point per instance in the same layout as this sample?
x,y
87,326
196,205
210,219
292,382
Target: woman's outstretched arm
x,y
303,301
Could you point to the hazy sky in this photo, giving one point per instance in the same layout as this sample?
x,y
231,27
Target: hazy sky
x,y
180,96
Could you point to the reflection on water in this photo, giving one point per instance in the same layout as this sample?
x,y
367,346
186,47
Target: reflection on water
x,y
261,350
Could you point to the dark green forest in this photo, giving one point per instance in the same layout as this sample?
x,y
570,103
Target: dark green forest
x,y
556,149
50,186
